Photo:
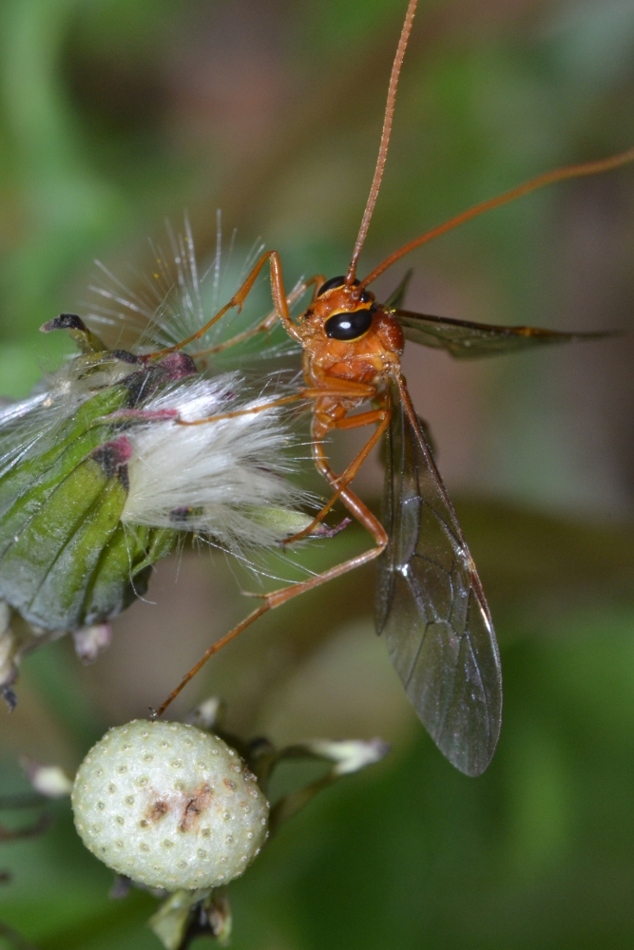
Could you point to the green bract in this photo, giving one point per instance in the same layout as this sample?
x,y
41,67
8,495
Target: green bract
x,y
107,467
66,560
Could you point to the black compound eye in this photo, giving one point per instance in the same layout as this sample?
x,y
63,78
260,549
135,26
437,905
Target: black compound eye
x,y
348,326
332,283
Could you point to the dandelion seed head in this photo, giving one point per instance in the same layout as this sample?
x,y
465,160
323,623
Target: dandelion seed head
x,y
217,477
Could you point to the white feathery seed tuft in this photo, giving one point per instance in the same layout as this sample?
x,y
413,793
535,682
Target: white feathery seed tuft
x,y
175,298
221,477
169,806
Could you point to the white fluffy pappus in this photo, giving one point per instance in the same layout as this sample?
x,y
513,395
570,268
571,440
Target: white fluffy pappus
x,y
225,478
175,298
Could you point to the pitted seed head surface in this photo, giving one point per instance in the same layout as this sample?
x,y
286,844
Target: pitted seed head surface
x,y
169,805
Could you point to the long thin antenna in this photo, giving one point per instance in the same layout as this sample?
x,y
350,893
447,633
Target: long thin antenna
x,y
547,178
385,140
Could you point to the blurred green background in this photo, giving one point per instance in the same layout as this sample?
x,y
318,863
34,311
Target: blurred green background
x,y
115,116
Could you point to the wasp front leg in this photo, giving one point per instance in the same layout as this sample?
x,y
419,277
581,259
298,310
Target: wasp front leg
x,y
267,324
354,505
278,293
340,483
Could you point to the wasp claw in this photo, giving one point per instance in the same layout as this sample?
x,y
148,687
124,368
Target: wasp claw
x,y
331,532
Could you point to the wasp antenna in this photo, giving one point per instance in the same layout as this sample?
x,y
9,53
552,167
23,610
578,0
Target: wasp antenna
x,y
385,140
547,178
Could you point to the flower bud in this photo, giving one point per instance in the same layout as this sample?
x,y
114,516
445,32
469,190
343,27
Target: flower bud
x,y
169,806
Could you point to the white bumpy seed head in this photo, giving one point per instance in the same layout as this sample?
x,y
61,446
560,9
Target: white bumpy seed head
x,y
169,806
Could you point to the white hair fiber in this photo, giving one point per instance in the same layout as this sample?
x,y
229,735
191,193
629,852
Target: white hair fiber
x,y
224,478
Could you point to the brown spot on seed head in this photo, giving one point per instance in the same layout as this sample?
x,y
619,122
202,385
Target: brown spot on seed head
x,y
154,812
196,803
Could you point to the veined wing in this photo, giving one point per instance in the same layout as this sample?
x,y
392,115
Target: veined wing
x,y
467,340
430,605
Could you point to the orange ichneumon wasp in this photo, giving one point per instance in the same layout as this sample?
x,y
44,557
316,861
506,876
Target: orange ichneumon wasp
x,y
430,604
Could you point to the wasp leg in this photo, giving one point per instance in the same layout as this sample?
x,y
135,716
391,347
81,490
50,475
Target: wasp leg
x,y
269,321
278,293
278,597
378,417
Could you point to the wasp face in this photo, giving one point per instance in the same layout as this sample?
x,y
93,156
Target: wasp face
x,y
347,335
346,311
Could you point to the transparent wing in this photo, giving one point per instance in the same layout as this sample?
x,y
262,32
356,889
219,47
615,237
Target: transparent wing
x,y
467,340
430,605
397,296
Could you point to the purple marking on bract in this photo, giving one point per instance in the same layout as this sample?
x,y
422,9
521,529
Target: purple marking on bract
x,y
112,456
178,365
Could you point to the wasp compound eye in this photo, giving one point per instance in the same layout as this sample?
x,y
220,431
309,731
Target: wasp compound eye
x,y
332,283
348,326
